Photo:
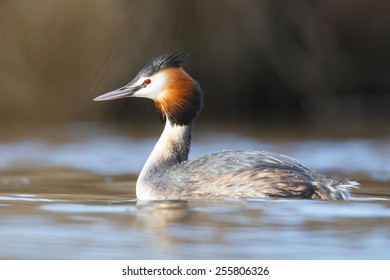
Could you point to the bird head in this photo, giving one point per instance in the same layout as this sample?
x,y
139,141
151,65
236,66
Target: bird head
x,y
176,95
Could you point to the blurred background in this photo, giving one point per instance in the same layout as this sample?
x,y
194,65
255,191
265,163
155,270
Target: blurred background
x,y
322,62
310,79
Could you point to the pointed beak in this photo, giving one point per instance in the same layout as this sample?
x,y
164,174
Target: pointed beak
x,y
126,91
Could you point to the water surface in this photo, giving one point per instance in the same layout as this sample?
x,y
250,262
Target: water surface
x,y
68,192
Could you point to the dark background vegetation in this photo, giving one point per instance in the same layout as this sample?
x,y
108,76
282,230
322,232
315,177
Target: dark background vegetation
x,y
287,62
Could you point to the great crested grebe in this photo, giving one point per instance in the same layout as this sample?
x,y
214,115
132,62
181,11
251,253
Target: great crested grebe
x,y
168,175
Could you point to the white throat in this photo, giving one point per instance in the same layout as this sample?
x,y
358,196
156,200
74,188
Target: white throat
x,y
172,148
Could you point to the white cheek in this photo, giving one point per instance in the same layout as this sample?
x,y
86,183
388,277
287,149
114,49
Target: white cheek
x,y
154,89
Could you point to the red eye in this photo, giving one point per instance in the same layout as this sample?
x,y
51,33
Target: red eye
x,y
147,81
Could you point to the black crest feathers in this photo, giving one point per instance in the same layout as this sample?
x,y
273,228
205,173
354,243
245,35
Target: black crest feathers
x,y
165,61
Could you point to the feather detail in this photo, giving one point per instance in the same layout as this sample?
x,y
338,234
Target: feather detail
x,y
182,99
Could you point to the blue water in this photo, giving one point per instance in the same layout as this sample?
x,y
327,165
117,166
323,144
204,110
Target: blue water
x,y
68,193
114,154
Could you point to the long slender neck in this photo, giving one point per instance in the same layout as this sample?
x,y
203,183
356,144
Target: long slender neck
x,y
172,148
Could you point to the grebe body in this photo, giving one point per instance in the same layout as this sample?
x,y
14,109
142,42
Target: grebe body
x,y
167,173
